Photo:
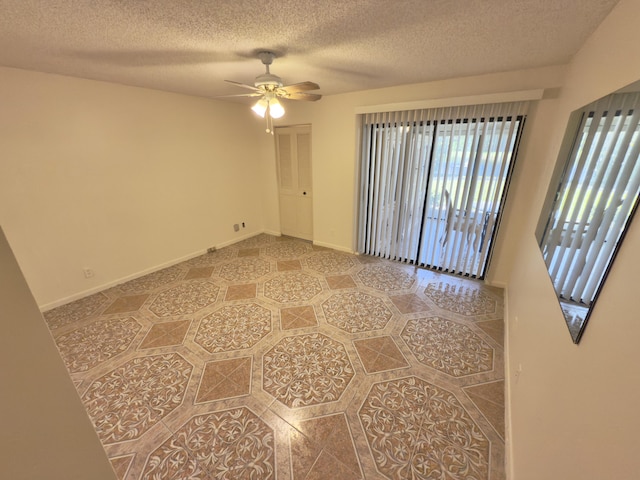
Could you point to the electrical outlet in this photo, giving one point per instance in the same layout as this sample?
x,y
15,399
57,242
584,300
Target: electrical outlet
x,y
88,273
236,227
242,224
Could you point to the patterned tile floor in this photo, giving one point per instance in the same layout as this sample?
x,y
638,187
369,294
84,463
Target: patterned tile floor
x,y
273,358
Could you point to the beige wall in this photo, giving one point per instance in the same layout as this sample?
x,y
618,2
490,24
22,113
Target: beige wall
x,y
46,433
335,138
110,177
122,180
574,409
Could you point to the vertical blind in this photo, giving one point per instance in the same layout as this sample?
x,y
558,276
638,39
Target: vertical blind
x,y
582,237
433,181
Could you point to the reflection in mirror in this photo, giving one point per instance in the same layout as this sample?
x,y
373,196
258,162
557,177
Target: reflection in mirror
x,y
591,201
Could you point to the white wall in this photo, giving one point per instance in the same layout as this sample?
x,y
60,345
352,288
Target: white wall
x,y
122,180
574,409
46,433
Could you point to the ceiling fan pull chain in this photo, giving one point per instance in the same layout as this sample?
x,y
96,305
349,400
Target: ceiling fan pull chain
x,y
269,121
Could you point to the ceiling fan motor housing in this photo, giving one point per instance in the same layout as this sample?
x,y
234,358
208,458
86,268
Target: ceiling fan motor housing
x,y
268,79
270,87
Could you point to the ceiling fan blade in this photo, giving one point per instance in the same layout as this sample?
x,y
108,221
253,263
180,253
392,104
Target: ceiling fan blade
x,y
243,85
300,87
309,97
240,95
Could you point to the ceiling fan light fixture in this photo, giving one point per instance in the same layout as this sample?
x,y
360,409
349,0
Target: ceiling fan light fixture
x,y
260,107
269,87
276,110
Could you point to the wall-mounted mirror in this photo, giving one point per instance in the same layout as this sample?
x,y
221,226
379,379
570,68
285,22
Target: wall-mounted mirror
x,y
591,200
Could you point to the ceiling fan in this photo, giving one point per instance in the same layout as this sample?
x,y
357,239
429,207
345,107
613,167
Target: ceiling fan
x,y
270,89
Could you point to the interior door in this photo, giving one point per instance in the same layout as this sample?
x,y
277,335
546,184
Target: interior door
x,y
293,154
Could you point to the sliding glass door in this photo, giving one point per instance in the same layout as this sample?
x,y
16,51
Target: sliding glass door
x,y
433,183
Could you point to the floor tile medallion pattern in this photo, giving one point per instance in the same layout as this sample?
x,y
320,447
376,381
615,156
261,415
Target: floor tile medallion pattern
x,y
330,262
447,346
292,287
356,312
307,370
276,359
287,250
130,399
418,430
86,347
231,444
233,327
184,299
153,280
244,270
78,310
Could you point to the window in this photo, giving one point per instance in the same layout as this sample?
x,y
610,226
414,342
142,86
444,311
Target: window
x,y
433,183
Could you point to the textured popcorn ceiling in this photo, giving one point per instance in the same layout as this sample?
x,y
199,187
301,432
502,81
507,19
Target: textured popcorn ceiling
x,y
344,45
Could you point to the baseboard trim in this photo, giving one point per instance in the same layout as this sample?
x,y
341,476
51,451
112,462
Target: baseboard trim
x,y
333,247
508,444
238,239
85,293
99,288
497,284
